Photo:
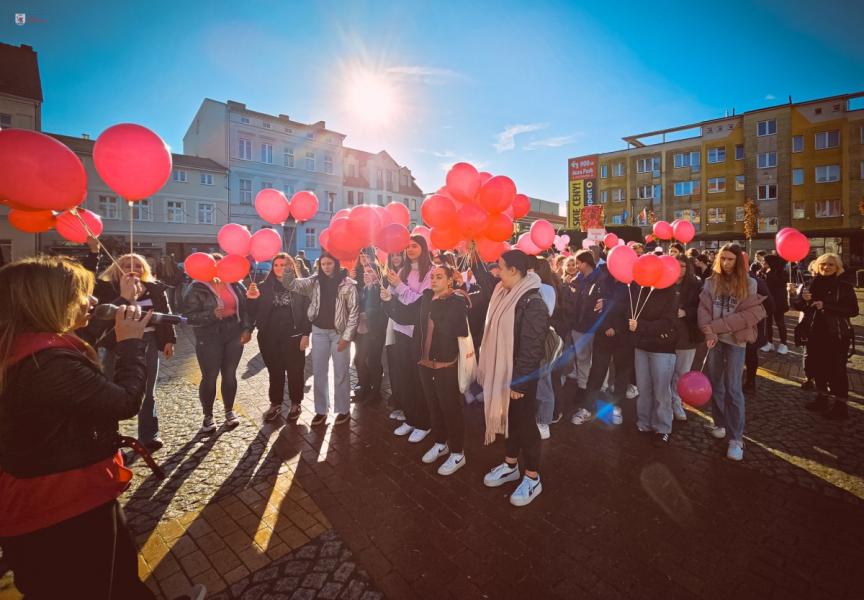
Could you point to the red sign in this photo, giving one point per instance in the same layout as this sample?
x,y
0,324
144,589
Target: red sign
x,y
582,167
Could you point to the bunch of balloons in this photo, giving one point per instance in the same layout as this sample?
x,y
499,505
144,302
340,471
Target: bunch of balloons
x,y
679,229
648,270
272,206
364,226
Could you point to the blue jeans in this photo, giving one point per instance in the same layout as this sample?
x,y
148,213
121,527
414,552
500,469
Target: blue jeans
x,y
725,366
218,350
683,363
545,399
653,377
148,418
324,342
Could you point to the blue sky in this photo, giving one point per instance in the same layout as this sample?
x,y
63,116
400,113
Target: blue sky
x,y
514,87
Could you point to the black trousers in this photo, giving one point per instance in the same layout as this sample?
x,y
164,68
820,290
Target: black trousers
x,y
89,556
778,318
410,392
284,361
828,359
601,356
394,375
522,433
441,388
368,359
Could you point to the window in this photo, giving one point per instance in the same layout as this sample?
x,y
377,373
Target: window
x,y
827,173
266,125
618,220
717,184
109,208
389,181
380,200
685,159
766,160
206,179
826,208
739,151
655,166
797,176
389,199
5,120
310,135
245,149
644,165
331,201
174,212
267,153
310,237
352,170
687,188
717,155
604,172
266,185
827,139
205,213
717,215
618,169
767,224
379,179
618,195
245,191
288,188
739,183
244,120
413,204
360,198
328,164
180,175
766,192
798,210
739,214
604,196
797,143
288,158
645,192
310,161
350,197
142,210
768,127
693,215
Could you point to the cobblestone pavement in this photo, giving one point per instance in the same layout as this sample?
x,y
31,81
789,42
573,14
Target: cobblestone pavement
x,y
288,511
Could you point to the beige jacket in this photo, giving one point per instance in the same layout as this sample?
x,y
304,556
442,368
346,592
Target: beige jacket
x,y
347,308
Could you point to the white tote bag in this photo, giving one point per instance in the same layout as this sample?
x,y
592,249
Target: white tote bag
x,y
467,362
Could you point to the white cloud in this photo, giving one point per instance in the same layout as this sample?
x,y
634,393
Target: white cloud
x,y
428,75
438,153
770,97
553,142
507,138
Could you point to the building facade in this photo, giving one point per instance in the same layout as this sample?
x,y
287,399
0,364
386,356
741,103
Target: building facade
x,y
378,179
540,209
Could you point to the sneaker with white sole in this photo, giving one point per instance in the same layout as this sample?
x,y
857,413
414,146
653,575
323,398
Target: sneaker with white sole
x,y
231,420
632,392
617,417
716,432
581,417
397,415
271,413
782,349
768,347
403,429
418,435
501,475
453,463
544,431
679,413
526,492
209,425
434,453
735,450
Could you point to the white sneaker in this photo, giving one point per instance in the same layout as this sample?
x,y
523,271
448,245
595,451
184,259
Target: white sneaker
x,y
768,347
632,392
209,425
403,429
231,419
617,417
716,432
679,413
501,475
434,453
418,435
581,417
526,492
782,349
397,415
735,451
453,463
544,431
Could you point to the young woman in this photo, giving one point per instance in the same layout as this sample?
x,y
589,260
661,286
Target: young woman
x,y
218,316
371,333
571,270
409,284
439,317
729,310
333,312
283,336
512,353
582,318
828,303
395,262
689,336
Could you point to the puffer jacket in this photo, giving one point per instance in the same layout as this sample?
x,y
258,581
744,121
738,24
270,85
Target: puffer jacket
x,y
347,314
259,309
530,326
199,302
742,324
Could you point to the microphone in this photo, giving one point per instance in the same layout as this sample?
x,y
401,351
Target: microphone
x,y
106,312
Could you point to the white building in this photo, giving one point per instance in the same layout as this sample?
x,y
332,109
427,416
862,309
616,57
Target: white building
x,y
378,179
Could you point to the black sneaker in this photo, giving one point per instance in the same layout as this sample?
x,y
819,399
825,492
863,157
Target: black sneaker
x,y
820,403
154,445
838,411
662,439
294,412
319,420
341,418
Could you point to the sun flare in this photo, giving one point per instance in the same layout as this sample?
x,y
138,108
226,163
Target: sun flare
x,y
370,97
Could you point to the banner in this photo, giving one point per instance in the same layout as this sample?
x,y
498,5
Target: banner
x,y
581,174
574,207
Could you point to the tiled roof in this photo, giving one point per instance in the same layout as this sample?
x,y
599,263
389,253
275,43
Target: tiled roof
x,y
19,72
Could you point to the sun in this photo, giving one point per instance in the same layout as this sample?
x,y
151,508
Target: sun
x,y
370,97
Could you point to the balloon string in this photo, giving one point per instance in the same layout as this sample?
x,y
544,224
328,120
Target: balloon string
x,y
644,304
705,360
638,299
131,246
630,295
74,211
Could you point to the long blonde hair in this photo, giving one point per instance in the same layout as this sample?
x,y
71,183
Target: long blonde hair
x,y
113,273
39,295
737,284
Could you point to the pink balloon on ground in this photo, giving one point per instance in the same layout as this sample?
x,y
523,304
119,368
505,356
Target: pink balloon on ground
x,y
399,212
234,239
265,244
683,231
671,272
272,206
662,230
232,268
526,245
463,181
132,160
647,270
200,266
620,261
694,388
70,227
304,205
542,234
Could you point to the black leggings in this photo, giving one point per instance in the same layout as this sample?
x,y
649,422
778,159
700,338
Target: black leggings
x,y
522,433
829,365
284,360
779,318
441,387
367,359
410,391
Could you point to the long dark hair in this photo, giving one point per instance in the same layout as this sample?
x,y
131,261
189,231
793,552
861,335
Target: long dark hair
x,y
284,256
424,262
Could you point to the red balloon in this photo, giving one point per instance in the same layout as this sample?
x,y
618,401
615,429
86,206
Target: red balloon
x,y
783,232
649,238
662,230
393,238
499,227
471,220
343,212
264,245
542,233
793,246
438,211
340,240
444,239
525,244
70,227
399,212
484,177
694,388
324,237
362,225
132,160
683,231
31,221
497,194
200,266
490,250
647,270
463,181
384,216
670,273
610,240
521,206
620,261
233,238
272,206
39,173
233,268
304,205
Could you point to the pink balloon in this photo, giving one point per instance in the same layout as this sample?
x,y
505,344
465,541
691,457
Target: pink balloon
x,y
444,239
399,212
438,211
393,238
324,237
499,227
384,216
783,232
497,194
304,205
272,206
425,232
527,246
671,272
565,238
662,230
339,240
471,221
200,266
542,233
233,268
234,239
69,226
264,245
694,388
521,206
647,270
362,225
793,246
490,250
610,240
463,181
683,231
132,160
342,213
620,261
484,177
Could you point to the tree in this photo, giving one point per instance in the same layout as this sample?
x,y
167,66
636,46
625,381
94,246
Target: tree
x,y
751,221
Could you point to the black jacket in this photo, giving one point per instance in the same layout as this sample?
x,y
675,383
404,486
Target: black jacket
x,y
581,298
776,278
480,297
59,412
448,314
689,335
657,329
199,302
839,304
259,309
615,313
531,324
372,309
